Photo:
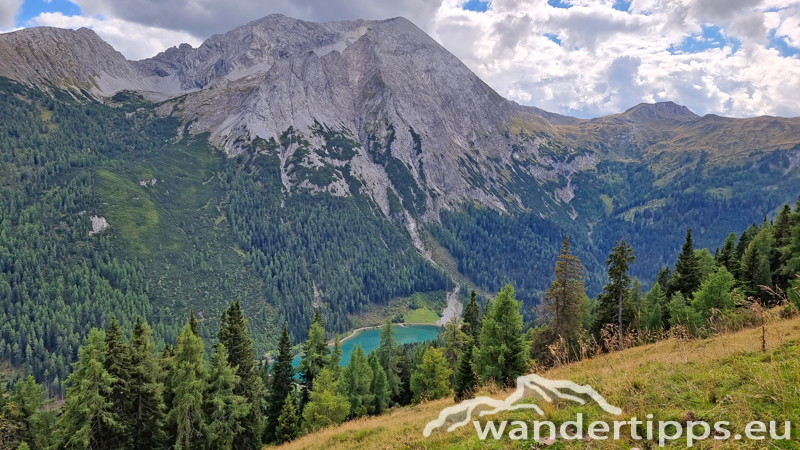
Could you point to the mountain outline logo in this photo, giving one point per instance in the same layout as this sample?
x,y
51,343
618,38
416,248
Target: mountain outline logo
x,y
527,385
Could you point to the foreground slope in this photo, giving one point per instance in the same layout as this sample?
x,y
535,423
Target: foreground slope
x,y
725,377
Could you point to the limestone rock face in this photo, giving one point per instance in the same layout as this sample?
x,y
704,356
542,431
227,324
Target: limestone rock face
x,y
381,103
69,59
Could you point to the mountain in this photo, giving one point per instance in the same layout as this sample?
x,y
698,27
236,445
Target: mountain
x,y
346,166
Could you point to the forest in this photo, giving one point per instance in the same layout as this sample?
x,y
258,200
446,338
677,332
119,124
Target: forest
x,y
193,229
123,392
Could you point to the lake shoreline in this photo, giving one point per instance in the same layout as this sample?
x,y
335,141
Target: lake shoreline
x,y
375,327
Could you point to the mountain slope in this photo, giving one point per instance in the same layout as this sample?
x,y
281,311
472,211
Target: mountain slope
x,y
302,165
714,379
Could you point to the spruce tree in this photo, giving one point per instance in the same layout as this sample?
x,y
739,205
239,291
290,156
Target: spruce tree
x,y
88,418
146,389
613,308
224,409
455,341
336,356
472,318
315,357
327,405
381,392
188,385
755,266
282,384
233,334
726,257
686,278
503,352
286,428
193,323
465,379
431,379
357,379
118,365
404,373
564,302
387,354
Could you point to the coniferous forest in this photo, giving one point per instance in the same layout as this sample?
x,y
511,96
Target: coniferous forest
x,y
176,326
123,392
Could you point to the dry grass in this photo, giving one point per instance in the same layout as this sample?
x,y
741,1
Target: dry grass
x,y
721,378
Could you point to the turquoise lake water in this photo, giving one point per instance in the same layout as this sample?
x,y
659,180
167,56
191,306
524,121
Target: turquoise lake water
x,y
370,339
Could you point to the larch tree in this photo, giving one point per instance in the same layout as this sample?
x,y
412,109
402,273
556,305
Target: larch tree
x,y
327,406
431,379
357,379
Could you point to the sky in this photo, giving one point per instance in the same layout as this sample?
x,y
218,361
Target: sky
x,y
584,58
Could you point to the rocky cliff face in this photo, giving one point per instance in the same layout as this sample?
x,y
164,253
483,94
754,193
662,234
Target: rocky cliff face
x,y
379,102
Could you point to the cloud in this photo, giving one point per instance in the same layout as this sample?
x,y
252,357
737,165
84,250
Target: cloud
x,y
728,57
207,17
8,10
133,40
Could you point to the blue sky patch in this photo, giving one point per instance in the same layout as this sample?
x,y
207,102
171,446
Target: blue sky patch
x,y
560,4
622,5
779,43
476,5
32,8
711,37
553,37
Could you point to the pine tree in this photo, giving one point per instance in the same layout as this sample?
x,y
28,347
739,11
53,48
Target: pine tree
x,y
88,414
282,384
431,379
146,389
387,354
782,234
233,334
563,302
472,318
613,308
379,388
118,365
327,406
503,353
224,409
686,278
188,385
465,379
286,429
357,379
